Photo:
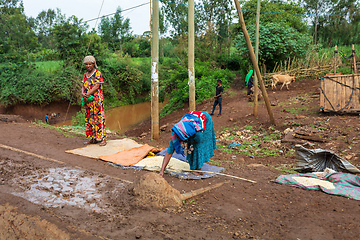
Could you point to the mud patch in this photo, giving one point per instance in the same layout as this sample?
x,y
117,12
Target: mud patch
x,y
15,225
58,187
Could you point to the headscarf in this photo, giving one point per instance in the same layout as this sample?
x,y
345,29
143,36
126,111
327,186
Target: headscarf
x,y
248,76
189,124
90,59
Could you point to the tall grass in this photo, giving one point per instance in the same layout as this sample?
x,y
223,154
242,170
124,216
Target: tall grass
x,y
48,66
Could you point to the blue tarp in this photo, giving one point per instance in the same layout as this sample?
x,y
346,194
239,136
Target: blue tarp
x,y
188,175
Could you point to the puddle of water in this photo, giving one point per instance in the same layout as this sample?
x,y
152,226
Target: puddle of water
x,y
57,187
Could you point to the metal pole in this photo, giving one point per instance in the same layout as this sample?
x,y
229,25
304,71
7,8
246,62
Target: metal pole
x,y
254,62
256,88
191,56
155,71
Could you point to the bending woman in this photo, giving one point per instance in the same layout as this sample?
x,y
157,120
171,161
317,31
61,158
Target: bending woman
x,y
94,109
197,130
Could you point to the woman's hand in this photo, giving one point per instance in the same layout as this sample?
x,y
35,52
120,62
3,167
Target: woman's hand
x,y
166,160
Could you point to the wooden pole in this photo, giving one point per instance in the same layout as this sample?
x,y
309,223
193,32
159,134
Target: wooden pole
x,y
191,55
254,62
353,53
222,174
196,192
256,88
335,53
155,71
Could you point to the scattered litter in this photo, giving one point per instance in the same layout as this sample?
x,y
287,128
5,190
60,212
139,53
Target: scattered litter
x,y
317,160
234,144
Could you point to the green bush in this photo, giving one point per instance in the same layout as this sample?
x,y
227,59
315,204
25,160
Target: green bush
x,y
26,85
205,82
79,119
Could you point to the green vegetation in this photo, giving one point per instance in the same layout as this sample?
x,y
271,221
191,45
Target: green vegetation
x,y
252,142
287,168
41,58
66,131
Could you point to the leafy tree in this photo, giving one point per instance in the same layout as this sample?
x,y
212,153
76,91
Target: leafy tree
x,y
44,24
176,15
340,24
114,30
137,47
17,39
316,8
277,42
218,17
69,36
278,11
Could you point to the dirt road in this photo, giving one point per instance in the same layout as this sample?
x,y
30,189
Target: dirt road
x,y
82,198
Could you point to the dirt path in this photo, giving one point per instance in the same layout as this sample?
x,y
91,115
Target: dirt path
x,y
83,198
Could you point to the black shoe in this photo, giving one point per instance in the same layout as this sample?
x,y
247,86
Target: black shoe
x,y
211,114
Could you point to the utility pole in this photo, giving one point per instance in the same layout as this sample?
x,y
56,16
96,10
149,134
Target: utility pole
x,y
256,88
191,56
354,59
335,53
155,70
254,62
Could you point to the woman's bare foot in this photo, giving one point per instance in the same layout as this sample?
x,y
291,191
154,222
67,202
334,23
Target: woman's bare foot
x,y
197,173
91,141
103,143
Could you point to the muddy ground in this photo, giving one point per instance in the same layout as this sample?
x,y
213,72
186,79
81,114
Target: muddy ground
x,y
76,197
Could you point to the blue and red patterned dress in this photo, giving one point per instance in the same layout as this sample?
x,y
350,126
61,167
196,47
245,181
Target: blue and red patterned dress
x,y
94,111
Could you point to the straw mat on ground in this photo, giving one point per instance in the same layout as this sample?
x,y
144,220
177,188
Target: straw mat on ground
x,y
112,146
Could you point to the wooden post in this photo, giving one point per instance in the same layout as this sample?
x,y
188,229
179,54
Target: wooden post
x,y
191,55
335,53
256,88
254,62
353,53
155,71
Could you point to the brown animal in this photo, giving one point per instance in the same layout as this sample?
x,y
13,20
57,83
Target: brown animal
x,y
284,79
331,74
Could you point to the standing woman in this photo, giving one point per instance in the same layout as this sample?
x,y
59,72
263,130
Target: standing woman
x,y
94,109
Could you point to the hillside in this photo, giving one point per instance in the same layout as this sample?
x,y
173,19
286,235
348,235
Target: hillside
x,y
236,210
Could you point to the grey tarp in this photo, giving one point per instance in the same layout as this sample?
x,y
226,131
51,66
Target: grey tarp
x,y
317,160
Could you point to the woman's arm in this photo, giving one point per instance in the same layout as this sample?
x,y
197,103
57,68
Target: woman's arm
x,y
166,161
83,91
93,90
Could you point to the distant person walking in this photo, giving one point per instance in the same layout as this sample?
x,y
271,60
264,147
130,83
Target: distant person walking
x,y
92,93
218,97
249,82
47,118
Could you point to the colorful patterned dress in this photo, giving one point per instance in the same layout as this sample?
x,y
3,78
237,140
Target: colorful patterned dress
x,y
94,111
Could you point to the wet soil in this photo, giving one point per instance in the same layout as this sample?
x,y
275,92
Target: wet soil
x,y
82,198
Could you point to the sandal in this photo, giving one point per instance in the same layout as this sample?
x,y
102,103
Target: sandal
x,y
103,143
